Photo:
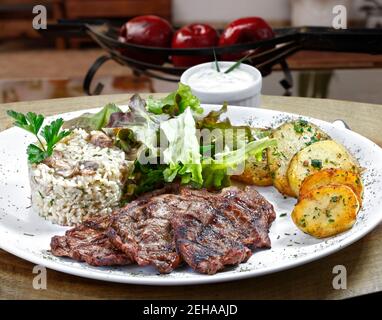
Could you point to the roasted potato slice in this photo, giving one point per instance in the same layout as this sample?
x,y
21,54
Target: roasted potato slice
x,y
333,176
326,211
320,155
291,138
256,173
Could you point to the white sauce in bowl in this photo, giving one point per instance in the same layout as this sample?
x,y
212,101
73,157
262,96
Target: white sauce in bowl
x,y
209,79
241,86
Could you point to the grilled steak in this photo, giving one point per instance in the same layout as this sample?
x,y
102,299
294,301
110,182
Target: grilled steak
x,y
86,244
207,230
220,229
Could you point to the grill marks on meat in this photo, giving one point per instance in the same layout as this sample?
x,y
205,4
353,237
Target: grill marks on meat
x,y
144,233
222,229
208,247
207,230
250,213
89,245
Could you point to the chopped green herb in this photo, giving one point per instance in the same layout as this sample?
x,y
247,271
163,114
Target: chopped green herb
x,y
313,139
299,125
28,234
283,215
298,128
279,154
316,163
283,155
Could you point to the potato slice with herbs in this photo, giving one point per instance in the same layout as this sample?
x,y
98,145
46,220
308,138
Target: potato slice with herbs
x,y
256,172
333,176
326,211
320,155
291,138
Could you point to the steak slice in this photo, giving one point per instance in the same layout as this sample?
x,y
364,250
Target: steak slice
x,y
92,246
250,213
208,242
142,230
219,229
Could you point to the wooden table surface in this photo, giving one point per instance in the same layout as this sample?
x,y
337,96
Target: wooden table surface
x,y
326,60
363,260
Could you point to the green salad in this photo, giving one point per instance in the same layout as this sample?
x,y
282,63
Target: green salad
x,y
165,139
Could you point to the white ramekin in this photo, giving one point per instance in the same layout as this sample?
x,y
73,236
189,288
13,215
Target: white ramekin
x,y
248,97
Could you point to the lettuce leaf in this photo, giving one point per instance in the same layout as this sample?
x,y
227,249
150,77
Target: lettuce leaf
x,y
148,177
232,135
144,126
93,121
175,103
126,140
211,120
216,171
183,151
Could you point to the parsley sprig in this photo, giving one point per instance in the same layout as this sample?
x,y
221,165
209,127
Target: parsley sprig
x,y
32,123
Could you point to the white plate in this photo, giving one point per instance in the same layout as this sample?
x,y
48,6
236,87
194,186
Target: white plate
x,y
26,235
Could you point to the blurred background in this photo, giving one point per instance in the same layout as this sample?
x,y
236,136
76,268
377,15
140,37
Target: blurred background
x,y
33,67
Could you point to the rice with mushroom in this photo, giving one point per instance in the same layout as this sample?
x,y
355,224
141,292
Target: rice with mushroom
x,y
81,179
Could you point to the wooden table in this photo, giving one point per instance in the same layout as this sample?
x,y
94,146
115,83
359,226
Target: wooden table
x,y
326,60
363,259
